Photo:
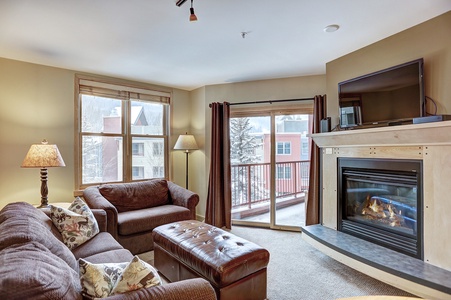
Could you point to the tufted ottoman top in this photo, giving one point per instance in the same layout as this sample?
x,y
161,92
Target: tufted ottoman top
x,y
221,257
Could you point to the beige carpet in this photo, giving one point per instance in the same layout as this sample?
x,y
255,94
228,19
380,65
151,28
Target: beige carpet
x,y
299,271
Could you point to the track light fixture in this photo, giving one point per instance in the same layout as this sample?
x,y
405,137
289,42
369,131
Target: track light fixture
x,y
192,16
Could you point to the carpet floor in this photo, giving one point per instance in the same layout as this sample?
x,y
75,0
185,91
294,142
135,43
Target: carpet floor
x,y
299,271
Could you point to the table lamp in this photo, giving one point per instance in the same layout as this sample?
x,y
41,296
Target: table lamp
x,y
43,156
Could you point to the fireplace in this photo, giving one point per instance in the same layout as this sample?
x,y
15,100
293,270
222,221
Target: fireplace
x,y
381,201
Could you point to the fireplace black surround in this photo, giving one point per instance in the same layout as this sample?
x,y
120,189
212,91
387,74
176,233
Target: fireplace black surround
x,y
381,200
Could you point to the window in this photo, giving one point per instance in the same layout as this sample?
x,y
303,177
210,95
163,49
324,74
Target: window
x,y
158,172
138,149
157,149
284,148
305,147
283,172
138,172
118,130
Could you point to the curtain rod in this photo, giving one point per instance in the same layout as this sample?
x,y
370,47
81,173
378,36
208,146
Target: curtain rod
x,y
270,101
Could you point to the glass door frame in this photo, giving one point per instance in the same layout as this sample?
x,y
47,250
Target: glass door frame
x,y
271,111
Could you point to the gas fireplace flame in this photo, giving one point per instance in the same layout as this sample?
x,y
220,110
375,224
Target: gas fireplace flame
x,y
374,209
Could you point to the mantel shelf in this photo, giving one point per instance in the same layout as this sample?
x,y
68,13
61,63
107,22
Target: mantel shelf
x,y
436,133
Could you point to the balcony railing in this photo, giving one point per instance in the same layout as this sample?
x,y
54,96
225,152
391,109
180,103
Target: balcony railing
x,y
251,182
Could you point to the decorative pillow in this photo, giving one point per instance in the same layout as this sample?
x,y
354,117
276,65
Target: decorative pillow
x,y
138,274
76,224
97,280
103,280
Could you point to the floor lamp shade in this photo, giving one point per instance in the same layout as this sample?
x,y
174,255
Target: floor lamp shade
x,y
43,156
186,142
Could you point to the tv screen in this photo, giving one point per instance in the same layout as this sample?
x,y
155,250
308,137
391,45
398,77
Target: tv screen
x,y
390,96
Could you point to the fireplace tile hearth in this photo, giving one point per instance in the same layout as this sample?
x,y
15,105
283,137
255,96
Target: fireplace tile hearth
x,y
382,258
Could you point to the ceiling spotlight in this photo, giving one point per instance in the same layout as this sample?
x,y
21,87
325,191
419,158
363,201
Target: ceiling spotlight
x,y
331,28
192,16
179,2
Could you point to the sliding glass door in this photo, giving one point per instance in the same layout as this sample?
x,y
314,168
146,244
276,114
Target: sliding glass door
x,y
270,167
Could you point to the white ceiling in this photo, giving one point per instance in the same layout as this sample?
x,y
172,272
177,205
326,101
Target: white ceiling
x,y
153,41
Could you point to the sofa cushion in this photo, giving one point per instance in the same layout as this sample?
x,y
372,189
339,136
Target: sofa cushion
x,y
98,280
136,275
22,223
143,220
103,280
136,195
76,224
112,256
29,211
31,271
102,242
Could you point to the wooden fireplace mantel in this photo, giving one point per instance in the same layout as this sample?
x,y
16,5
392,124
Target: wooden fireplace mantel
x,y
429,143
436,133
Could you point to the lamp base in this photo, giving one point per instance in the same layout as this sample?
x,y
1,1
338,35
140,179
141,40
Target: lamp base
x,y
43,205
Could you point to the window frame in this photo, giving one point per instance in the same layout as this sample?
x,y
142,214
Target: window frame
x,y
127,92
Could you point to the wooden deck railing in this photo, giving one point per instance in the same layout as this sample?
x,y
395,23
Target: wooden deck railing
x,y
251,182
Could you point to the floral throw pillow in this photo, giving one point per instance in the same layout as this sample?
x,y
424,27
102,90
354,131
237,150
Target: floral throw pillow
x,y
97,280
76,224
138,274
103,280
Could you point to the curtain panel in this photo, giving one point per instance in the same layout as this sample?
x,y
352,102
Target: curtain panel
x,y
312,207
219,202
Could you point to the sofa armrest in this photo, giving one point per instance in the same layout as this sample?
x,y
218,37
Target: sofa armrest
x,y
101,218
95,200
183,197
190,289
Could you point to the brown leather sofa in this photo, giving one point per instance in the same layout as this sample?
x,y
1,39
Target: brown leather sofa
x,y
135,209
35,263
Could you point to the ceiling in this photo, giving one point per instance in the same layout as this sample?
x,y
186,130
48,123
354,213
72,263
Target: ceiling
x,y
153,41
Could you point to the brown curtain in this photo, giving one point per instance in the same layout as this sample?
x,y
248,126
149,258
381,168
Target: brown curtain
x,y
219,201
312,205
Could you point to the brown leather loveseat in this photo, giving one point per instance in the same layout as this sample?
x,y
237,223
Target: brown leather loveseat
x,y
135,209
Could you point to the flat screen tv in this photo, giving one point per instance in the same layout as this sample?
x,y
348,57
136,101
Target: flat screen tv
x,y
388,97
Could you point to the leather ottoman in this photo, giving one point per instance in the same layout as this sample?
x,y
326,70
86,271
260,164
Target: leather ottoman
x,y
235,267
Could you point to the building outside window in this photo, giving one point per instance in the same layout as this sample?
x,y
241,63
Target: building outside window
x,y
118,128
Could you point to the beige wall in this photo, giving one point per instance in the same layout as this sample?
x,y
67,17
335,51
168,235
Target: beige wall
x,y
37,102
430,40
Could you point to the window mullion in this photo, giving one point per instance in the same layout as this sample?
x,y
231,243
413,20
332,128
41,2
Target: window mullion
x,y
126,131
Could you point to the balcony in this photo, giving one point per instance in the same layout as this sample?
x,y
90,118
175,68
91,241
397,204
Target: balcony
x,y
251,190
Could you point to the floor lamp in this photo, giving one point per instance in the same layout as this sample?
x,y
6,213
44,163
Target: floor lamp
x,y
43,156
186,142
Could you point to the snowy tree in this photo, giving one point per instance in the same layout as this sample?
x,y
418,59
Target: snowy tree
x,y
242,143
242,152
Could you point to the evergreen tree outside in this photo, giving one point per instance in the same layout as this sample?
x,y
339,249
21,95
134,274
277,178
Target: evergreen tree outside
x,y
243,147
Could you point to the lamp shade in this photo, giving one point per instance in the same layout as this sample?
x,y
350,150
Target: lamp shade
x,y
186,142
43,156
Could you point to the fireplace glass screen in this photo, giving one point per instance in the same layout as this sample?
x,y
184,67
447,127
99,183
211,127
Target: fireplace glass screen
x,y
380,201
